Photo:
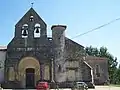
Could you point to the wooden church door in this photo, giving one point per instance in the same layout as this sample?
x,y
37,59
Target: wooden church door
x,y
30,78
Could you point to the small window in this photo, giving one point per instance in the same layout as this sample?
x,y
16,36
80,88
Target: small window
x,y
59,68
37,30
31,18
97,70
11,74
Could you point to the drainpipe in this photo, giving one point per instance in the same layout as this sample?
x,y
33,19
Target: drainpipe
x,y
52,70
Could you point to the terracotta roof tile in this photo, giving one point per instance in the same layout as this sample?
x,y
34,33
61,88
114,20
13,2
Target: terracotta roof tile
x,y
95,58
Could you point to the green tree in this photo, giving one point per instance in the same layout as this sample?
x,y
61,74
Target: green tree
x,y
116,76
112,61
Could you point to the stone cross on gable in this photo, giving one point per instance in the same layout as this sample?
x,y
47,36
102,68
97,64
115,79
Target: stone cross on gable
x,y
32,4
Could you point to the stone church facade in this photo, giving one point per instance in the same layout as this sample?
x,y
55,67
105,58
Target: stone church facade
x,y
32,55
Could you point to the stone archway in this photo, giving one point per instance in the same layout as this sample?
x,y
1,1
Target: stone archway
x,y
27,63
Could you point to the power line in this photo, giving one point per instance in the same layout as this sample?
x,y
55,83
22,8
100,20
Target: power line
x,y
96,28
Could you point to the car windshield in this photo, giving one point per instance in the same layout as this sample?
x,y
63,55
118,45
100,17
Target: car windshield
x,y
80,83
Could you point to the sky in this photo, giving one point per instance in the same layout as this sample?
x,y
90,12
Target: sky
x,y
78,15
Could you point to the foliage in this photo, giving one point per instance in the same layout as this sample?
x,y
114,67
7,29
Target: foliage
x,y
114,72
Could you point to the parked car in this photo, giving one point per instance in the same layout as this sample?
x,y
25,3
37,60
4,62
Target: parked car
x,y
80,86
42,86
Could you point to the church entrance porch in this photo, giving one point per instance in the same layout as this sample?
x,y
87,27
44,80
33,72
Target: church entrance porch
x,y
30,77
28,72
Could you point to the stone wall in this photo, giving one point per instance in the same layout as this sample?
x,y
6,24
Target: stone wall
x,y
100,68
74,55
2,60
86,72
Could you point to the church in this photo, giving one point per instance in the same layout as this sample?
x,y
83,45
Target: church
x,y
32,56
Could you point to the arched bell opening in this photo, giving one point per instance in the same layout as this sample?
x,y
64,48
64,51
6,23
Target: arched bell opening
x,y
37,30
25,31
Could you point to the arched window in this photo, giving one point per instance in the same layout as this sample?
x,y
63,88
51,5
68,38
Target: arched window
x,y
31,18
37,30
25,31
46,72
97,70
11,74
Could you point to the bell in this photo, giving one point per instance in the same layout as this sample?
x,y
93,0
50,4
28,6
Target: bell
x,y
37,30
24,33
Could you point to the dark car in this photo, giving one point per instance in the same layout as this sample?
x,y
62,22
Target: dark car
x,y
80,86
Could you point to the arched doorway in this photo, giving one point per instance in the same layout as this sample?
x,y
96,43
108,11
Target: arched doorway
x,y
30,77
28,67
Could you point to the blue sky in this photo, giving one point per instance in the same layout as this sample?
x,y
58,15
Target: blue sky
x,y
79,16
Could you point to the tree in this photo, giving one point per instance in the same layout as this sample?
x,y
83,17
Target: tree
x,y
116,76
112,61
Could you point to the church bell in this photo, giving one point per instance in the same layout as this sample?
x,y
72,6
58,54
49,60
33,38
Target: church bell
x,y
24,33
37,30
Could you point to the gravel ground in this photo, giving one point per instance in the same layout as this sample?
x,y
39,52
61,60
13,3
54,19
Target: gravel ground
x,y
105,88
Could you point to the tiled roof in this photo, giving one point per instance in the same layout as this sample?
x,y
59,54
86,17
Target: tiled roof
x,y
2,48
95,58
